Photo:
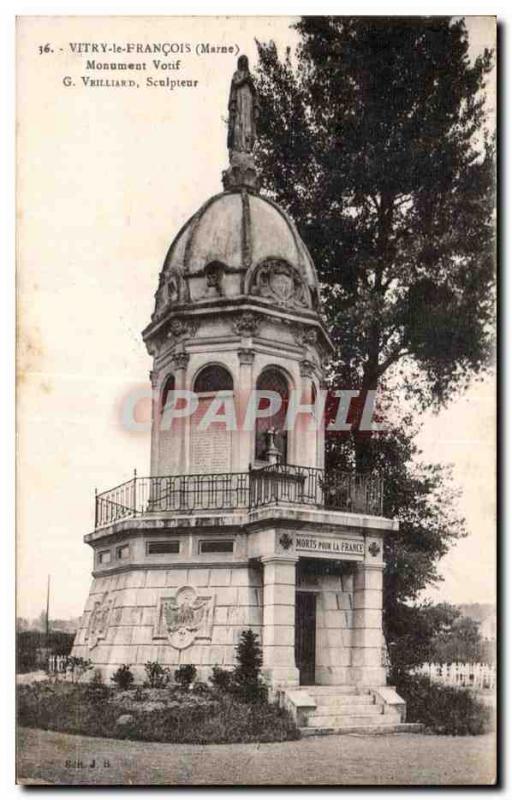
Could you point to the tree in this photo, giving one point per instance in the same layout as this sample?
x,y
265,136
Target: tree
x,y
432,633
374,139
461,641
247,673
415,629
372,135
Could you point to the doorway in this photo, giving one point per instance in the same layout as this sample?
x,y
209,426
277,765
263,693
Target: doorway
x,y
305,636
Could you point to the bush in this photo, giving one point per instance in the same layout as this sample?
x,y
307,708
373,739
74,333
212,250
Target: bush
x,y
78,667
158,676
201,688
193,719
247,681
123,677
221,679
185,675
443,709
96,691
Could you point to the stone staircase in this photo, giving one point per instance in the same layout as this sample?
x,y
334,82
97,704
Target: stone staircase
x,y
346,709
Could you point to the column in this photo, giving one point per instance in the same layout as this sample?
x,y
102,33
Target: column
x,y
155,421
305,432
182,424
367,639
279,621
245,454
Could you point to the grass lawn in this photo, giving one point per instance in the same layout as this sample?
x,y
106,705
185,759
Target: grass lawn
x,y
393,759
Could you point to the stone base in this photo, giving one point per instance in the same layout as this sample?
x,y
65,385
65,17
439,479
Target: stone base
x,y
281,677
241,172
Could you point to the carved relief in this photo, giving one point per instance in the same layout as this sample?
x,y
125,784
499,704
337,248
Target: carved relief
x,y
181,329
248,324
99,620
171,291
180,360
277,280
307,369
307,336
214,272
184,618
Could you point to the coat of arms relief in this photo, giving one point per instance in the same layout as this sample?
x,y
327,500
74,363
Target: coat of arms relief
x,y
99,620
184,618
275,279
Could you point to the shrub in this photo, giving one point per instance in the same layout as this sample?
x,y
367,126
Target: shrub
x,y
222,679
247,674
123,677
201,688
78,667
95,691
443,709
158,676
185,675
193,719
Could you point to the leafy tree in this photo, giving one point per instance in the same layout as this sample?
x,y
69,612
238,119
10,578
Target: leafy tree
x,y
431,633
372,135
374,139
415,628
461,641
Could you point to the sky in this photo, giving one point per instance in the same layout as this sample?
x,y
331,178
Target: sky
x,y
106,177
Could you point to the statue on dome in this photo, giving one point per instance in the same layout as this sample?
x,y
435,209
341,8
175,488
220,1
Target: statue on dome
x,y
243,109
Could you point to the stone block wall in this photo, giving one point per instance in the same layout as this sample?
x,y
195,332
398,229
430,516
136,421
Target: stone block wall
x,y
120,624
334,622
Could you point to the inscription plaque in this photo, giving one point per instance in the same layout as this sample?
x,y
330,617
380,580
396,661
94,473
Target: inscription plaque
x,y
210,450
323,546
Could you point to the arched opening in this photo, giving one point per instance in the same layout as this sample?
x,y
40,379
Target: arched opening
x,y
272,379
213,378
169,386
211,446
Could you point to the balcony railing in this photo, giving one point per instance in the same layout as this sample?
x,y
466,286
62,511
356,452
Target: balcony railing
x,y
270,485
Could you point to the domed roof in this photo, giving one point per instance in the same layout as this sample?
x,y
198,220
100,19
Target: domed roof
x,y
238,243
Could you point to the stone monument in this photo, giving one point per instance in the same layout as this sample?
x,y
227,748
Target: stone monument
x,y
236,529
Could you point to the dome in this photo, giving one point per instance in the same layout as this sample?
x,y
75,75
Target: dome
x,y
238,243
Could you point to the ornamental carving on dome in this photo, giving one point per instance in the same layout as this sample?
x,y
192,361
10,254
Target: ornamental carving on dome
x,y
276,280
183,618
171,291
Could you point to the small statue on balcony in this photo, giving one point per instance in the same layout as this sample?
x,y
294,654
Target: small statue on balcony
x,y
272,452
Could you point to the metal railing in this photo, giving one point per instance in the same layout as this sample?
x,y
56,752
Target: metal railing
x,y
270,485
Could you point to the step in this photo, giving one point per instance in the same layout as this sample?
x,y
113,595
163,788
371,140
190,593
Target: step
x,y
337,700
341,689
368,729
323,714
350,720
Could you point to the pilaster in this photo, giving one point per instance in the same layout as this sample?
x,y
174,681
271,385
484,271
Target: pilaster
x,y
279,581
367,669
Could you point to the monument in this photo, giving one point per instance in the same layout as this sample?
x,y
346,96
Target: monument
x,y
241,527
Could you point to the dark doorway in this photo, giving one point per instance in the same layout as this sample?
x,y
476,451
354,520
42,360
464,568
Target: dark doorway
x,y
305,636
